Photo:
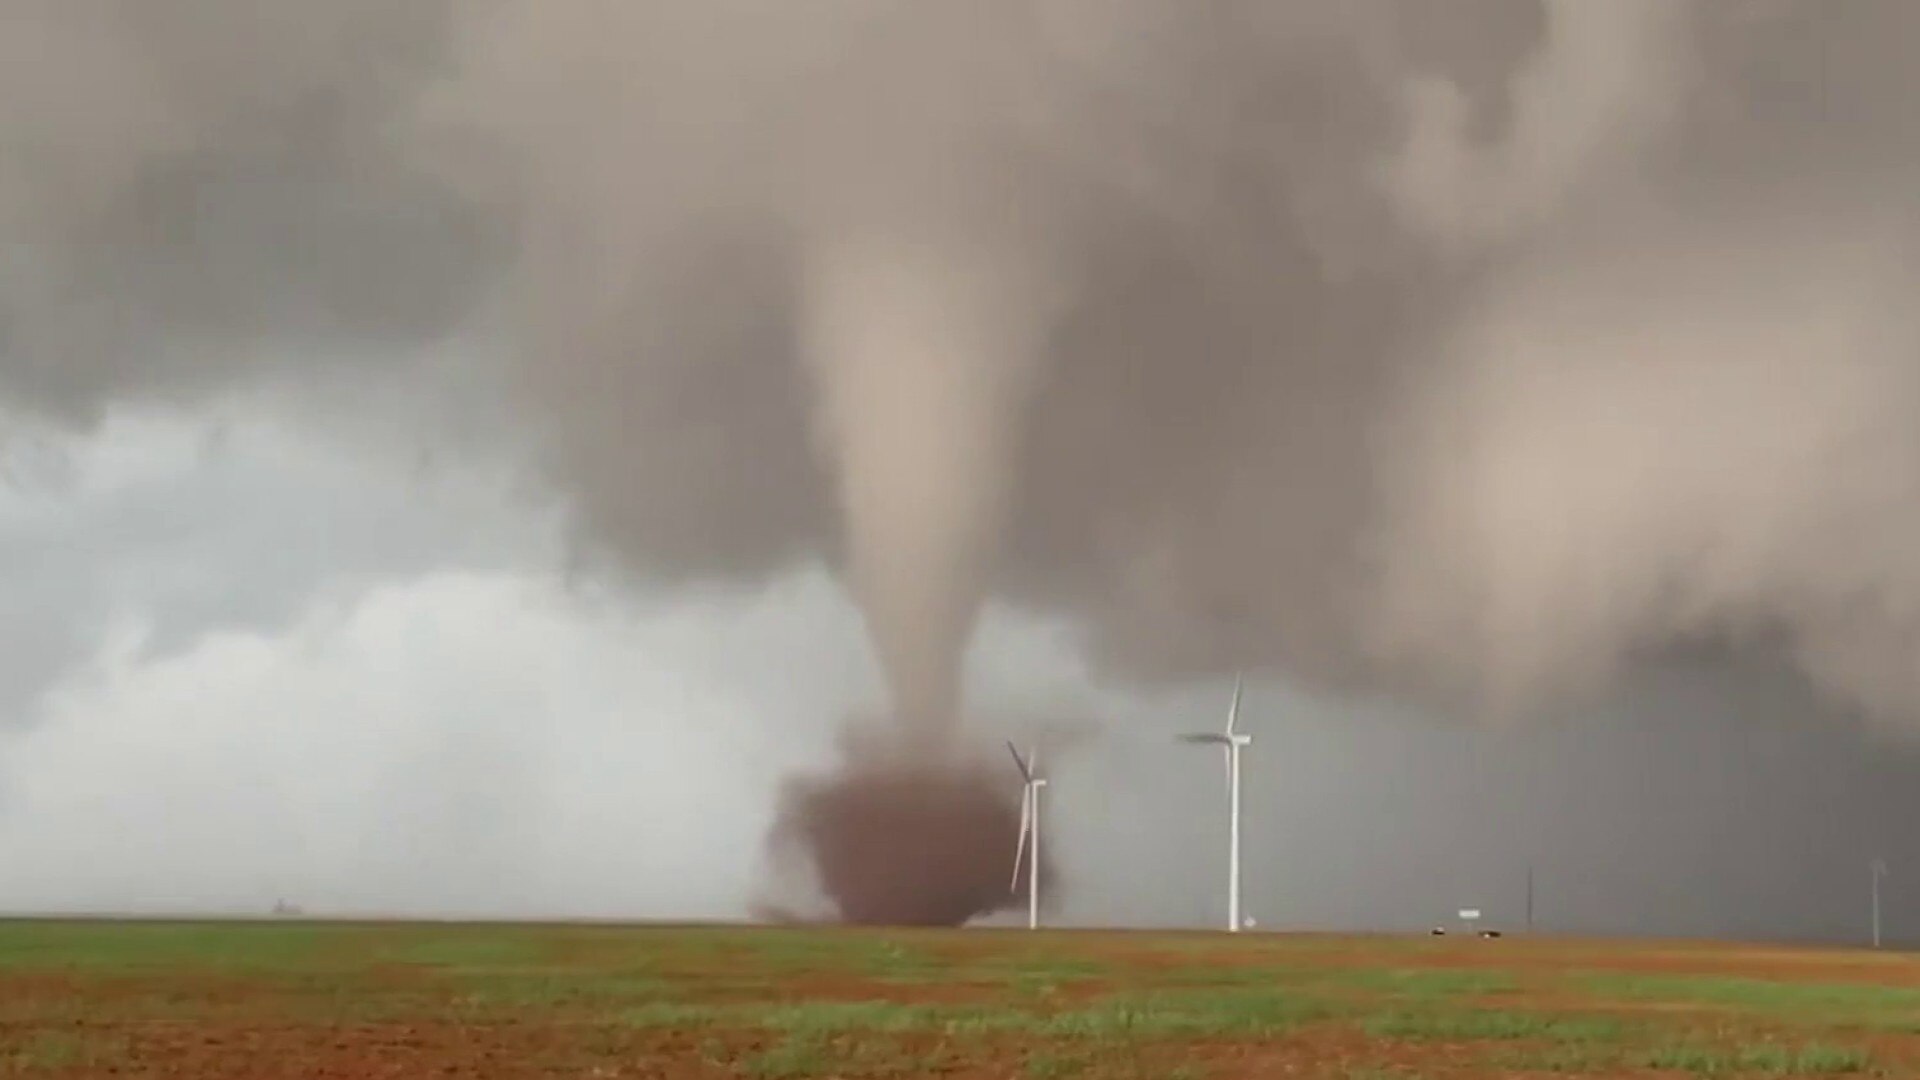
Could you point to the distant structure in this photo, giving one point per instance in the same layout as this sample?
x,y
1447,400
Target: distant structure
x,y
1233,741
1029,845
1470,917
284,910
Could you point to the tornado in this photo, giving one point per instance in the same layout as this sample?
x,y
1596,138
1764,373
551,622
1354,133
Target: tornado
x,y
922,348
922,353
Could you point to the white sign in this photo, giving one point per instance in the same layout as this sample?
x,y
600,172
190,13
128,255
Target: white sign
x,y
1470,914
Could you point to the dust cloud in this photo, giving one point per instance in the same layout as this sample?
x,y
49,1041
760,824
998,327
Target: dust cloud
x,y
909,844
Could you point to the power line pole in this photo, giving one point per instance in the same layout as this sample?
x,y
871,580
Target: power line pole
x,y
1529,896
1877,870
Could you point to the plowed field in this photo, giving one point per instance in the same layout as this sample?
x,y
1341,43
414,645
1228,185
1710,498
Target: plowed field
x,y
272,1000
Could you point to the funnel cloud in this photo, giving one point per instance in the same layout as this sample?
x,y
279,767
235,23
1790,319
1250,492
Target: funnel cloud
x,y
1469,357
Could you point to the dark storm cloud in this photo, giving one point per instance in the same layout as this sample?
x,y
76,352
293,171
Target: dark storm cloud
x,y
1121,293
189,189
1282,335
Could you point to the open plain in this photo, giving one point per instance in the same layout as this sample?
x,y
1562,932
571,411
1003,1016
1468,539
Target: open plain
x,y
358,1001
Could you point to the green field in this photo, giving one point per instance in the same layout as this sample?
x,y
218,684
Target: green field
x,y
260,1001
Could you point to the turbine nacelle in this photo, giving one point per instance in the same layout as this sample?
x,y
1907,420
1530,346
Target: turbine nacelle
x,y
1028,765
1216,738
1231,737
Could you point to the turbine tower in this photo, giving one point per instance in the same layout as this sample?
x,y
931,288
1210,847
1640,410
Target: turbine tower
x,y
1029,846
1232,739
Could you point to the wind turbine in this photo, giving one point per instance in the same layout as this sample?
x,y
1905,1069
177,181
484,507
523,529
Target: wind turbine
x,y
1029,846
1232,740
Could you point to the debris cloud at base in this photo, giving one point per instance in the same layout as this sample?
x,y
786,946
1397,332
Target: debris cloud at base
x,y
896,840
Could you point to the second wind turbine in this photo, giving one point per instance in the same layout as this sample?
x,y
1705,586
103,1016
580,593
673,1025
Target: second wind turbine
x,y
1232,740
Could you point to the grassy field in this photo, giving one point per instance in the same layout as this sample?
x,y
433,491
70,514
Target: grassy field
x,y
272,1000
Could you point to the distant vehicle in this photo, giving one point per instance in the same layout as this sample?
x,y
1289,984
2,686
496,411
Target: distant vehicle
x,y
1470,918
1441,931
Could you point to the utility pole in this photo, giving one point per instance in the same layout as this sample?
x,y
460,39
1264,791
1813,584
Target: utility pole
x,y
1529,896
1877,869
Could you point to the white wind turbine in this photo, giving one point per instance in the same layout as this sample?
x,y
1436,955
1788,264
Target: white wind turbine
x,y
1029,846
1232,740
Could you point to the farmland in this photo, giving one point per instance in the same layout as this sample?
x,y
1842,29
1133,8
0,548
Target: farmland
x,y
270,1000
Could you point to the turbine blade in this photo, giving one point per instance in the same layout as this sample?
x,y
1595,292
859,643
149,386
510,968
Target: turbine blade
x,y
1019,762
1205,738
1233,710
1026,826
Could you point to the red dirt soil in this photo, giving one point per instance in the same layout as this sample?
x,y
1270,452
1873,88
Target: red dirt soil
x,y
376,1021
